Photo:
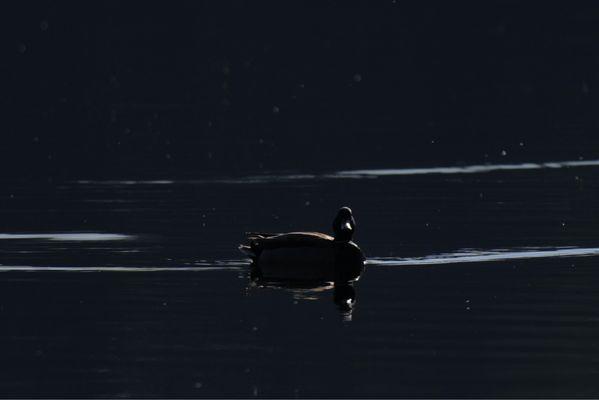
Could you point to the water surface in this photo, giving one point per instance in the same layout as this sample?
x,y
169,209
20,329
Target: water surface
x,y
479,283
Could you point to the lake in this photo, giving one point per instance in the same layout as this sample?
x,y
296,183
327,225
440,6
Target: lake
x,y
481,281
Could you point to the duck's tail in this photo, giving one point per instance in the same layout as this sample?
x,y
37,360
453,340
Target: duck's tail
x,y
247,250
252,247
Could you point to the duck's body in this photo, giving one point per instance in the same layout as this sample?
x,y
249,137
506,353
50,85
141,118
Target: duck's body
x,y
308,256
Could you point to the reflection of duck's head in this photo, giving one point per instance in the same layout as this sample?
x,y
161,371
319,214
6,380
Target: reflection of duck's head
x,y
345,297
344,225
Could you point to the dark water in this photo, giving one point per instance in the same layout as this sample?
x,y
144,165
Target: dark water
x,y
481,282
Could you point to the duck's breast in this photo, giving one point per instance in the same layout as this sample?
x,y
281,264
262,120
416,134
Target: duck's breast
x,y
298,263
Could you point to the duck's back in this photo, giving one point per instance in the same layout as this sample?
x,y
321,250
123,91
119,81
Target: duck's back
x,y
291,239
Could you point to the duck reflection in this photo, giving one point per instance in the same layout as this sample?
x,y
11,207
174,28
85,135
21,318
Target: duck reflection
x,y
343,292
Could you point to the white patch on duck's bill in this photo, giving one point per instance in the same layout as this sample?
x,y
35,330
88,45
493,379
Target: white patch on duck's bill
x,y
474,255
347,226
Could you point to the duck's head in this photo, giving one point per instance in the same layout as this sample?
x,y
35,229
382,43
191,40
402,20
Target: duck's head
x,y
344,225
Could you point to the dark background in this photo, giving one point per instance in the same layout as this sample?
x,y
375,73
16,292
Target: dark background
x,y
184,91
232,87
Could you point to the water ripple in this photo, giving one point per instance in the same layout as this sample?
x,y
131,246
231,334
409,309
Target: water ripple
x,y
32,268
475,256
354,174
470,169
67,237
457,257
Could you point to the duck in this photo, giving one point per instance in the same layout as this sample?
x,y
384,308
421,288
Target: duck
x,y
307,256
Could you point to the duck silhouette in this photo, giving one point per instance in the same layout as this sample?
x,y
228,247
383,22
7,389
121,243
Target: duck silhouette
x,y
307,256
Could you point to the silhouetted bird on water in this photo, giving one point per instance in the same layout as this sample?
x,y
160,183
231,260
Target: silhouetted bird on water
x,y
308,256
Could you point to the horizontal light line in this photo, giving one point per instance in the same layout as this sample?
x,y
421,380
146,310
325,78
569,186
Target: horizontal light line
x,y
29,268
355,174
458,257
471,169
470,256
67,237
